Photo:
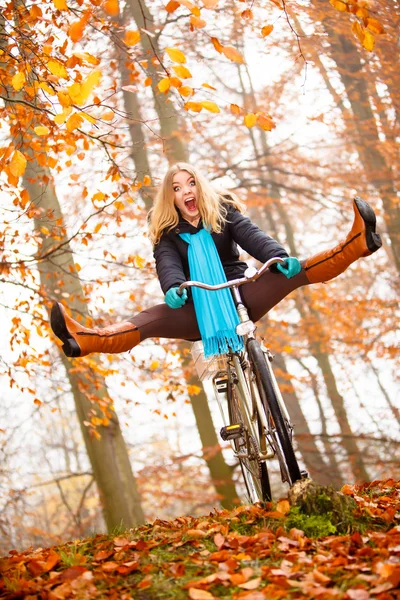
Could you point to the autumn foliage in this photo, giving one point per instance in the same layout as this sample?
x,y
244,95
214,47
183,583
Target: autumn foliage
x,y
251,552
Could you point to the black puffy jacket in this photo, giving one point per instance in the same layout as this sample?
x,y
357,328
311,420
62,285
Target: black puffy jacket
x,y
171,251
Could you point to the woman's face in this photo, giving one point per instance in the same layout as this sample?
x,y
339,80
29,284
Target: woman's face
x,y
185,196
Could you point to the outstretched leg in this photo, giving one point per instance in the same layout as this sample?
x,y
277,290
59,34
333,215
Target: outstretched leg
x,y
361,241
157,321
271,288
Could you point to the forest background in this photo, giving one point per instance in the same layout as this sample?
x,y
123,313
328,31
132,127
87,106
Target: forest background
x,y
295,106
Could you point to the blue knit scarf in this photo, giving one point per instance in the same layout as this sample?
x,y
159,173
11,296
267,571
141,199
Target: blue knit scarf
x,y
216,314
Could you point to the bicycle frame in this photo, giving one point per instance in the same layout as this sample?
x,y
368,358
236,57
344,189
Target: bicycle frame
x,y
249,391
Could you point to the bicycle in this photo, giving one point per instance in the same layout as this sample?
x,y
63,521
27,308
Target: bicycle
x,y
256,421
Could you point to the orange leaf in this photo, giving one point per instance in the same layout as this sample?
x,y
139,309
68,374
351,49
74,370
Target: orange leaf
x,y
339,5
194,106
18,81
247,14
210,3
210,87
186,91
175,82
176,55
73,122
132,38
266,30
217,44
172,6
283,507
146,180
77,29
196,594
196,22
233,54
375,26
235,109
266,123
111,7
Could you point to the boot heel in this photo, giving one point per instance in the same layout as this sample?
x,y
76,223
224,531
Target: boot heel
x,y
71,348
373,240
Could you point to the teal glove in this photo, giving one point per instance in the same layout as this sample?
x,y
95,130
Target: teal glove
x,y
290,267
173,299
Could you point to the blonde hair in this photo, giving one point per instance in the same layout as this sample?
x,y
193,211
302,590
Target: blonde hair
x,y
164,215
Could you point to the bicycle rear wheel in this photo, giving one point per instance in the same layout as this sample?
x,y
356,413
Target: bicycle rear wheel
x,y
280,427
255,473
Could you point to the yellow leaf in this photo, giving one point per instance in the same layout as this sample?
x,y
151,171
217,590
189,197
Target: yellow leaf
x,y
77,267
57,69
362,13
140,262
341,6
91,81
89,58
18,81
87,117
176,55
60,4
111,7
210,87
154,365
132,38
186,91
73,122
182,72
250,120
211,106
44,230
369,41
119,205
42,130
164,85
233,54
45,86
194,106
17,164
266,30
98,196
61,118
358,31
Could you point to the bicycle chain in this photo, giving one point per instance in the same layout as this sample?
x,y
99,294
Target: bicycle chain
x,y
256,457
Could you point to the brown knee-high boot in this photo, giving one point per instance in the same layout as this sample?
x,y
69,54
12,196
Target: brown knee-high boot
x,y
80,341
361,241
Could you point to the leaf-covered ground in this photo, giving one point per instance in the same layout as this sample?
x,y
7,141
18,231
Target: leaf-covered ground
x,y
250,552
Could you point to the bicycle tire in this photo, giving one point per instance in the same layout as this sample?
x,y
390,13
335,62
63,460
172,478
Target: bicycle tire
x,y
257,486
271,405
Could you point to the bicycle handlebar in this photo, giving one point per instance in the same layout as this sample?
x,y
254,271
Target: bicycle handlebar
x,y
250,274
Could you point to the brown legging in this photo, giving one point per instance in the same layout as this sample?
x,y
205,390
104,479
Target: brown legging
x,y
258,296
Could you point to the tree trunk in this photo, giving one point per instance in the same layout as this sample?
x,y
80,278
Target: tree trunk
x,y
175,150
108,455
368,144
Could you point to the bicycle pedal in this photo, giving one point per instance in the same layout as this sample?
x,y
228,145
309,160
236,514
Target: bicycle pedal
x,y
232,432
221,385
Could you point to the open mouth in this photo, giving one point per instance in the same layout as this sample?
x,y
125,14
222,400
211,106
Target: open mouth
x,y
190,204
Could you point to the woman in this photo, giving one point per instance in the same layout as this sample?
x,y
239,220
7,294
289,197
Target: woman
x,y
195,229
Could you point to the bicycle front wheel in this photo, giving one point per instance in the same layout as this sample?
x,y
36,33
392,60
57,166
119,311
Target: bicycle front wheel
x,y
280,428
255,474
